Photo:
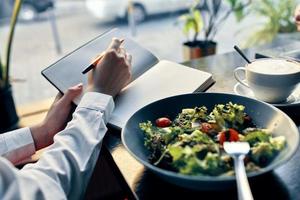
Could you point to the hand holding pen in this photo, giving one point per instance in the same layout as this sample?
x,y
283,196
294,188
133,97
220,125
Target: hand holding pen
x,y
115,44
112,70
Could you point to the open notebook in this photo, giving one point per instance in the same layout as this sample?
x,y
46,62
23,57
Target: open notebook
x,y
152,79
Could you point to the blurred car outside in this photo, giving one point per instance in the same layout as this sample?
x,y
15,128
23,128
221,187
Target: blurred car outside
x,y
110,10
30,9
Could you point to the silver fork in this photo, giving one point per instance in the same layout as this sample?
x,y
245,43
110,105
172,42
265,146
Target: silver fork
x,y
238,150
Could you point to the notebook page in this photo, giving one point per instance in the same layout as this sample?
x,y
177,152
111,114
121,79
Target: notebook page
x,y
165,79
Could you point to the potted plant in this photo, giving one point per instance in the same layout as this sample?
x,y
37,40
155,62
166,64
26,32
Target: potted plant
x,y
8,116
277,17
207,21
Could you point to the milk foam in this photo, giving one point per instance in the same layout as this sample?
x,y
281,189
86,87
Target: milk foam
x,y
274,66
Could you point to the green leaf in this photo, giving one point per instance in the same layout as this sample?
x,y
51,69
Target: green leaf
x,y
239,15
232,3
175,151
239,12
192,22
189,26
198,21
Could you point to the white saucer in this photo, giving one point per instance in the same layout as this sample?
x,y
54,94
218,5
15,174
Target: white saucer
x,y
292,100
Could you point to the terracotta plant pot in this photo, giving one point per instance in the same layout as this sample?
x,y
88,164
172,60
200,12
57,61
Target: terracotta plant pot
x,y
8,115
198,49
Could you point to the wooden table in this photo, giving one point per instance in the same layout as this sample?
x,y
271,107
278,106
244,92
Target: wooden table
x,y
283,183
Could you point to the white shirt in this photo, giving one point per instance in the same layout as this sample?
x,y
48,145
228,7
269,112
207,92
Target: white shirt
x,y
64,169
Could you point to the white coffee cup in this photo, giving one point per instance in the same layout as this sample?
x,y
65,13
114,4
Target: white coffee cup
x,y
271,80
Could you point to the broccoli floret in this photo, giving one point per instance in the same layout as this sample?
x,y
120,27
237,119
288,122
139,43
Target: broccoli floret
x,y
191,166
197,137
229,115
184,159
256,136
151,139
190,115
278,142
188,111
146,127
187,162
200,112
214,165
155,139
203,149
169,134
263,153
196,160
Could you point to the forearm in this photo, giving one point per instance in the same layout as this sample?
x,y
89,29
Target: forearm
x,y
17,145
71,159
39,136
22,143
65,167
63,170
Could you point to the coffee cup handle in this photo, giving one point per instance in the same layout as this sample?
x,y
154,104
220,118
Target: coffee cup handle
x,y
237,76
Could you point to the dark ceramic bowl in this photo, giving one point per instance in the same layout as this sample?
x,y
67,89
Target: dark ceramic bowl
x,y
263,114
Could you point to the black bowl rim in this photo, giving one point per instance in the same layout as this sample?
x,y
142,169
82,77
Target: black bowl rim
x,y
205,178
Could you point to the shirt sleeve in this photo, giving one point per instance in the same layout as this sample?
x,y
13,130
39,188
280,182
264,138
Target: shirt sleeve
x,y
65,167
17,145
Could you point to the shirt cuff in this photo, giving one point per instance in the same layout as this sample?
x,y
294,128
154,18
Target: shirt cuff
x,y
98,101
17,145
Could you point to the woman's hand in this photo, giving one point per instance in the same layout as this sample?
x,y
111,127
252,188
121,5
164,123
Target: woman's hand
x,y
112,72
56,118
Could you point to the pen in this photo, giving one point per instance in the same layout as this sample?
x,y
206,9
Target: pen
x,y
94,63
91,66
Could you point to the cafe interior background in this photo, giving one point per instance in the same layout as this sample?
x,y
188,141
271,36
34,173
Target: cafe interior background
x,y
48,31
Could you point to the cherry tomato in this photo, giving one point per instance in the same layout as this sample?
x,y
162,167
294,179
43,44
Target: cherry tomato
x,y
230,135
205,127
163,122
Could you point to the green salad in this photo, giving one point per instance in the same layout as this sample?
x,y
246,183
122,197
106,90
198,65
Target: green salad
x,y
192,143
